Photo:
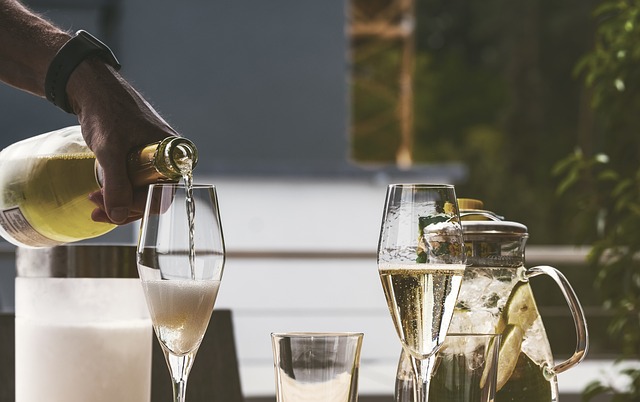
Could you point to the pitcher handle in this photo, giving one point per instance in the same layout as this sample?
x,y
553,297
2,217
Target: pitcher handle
x,y
582,335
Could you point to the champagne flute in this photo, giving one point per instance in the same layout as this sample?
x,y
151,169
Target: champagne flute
x,y
180,261
421,263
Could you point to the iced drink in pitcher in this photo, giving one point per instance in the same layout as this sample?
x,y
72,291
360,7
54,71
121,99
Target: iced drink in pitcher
x,y
496,297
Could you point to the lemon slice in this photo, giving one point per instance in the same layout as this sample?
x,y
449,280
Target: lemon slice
x,y
519,314
520,308
508,353
500,325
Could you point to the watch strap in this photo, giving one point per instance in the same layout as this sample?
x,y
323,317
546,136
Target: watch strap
x,y
80,47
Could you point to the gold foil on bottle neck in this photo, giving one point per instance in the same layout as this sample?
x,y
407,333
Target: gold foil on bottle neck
x,y
163,161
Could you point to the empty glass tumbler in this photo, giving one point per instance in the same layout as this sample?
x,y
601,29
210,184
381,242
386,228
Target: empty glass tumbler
x,y
316,367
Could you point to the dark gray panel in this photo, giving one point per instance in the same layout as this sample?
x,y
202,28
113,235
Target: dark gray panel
x,y
255,84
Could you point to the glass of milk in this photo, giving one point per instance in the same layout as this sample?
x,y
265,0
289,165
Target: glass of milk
x,y
83,331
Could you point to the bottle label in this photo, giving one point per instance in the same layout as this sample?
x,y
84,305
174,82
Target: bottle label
x,y
16,225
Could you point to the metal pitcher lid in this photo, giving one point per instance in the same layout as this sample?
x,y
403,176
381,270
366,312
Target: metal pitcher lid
x,y
476,220
77,261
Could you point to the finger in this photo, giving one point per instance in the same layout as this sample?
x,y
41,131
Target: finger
x,y
97,198
98,215
117,191
136,211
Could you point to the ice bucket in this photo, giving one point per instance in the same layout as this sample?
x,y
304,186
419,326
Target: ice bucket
x,y
83,331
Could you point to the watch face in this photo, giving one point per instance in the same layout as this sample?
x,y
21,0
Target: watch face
x,y
94,43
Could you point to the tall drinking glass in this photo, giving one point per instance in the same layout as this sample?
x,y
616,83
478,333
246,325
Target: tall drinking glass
x,y
180,262
421,262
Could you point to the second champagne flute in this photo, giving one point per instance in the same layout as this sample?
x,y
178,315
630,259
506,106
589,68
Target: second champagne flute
x,y
421,262
180,262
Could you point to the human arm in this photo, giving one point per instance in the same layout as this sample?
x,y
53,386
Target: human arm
x,y
114,117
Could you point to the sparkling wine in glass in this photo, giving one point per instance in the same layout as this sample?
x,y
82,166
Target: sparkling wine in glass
x,y
421,262
180,261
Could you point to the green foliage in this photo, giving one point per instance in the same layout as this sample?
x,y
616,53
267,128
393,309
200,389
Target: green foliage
x,y
611,68
494,91
610,202
606,189
596,388
612,76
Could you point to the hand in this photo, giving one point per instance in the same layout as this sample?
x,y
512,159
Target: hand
x,y
115,119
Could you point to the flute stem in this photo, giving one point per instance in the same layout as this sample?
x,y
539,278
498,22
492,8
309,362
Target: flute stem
x,y
422,371
179,391
179,367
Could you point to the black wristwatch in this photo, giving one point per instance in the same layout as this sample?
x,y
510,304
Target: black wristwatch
x,y
70,55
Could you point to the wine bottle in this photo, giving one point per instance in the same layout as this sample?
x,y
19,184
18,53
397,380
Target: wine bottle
x,y
45,182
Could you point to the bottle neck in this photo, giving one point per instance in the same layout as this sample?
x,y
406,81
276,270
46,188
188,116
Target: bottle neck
x,y
164,161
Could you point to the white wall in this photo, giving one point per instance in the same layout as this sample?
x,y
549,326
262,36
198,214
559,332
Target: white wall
x,y
272,287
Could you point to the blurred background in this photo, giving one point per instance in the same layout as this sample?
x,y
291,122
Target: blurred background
x,y
304,111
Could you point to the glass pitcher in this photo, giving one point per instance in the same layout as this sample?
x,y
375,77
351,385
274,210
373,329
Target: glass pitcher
x,y
495,297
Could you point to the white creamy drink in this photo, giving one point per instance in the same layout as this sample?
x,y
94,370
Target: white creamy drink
x,y
99,362
82,340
